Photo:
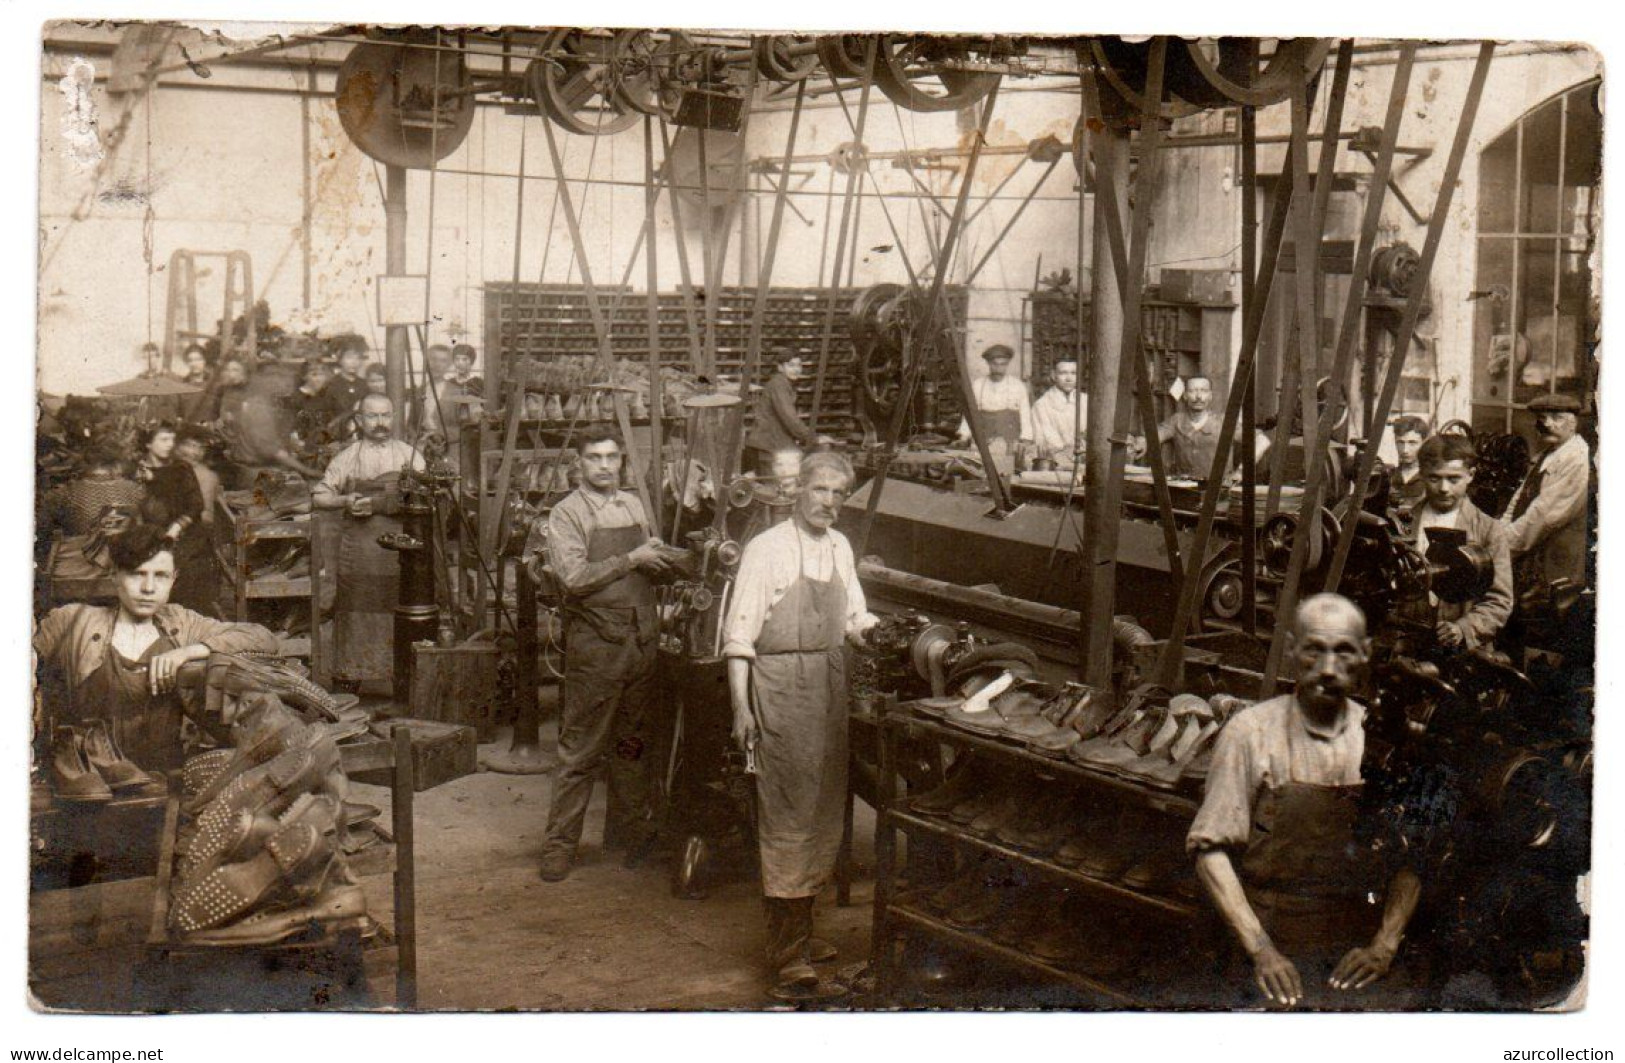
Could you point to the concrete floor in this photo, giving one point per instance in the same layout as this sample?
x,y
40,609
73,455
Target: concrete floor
x,y
493,936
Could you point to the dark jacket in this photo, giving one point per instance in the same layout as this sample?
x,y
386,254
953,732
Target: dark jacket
x,y
777,422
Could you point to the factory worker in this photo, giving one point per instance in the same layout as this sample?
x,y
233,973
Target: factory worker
x,y
1546,523
607,559
1448,464
795,603
1406,487
1275,837
1060,415
775,422
1002,401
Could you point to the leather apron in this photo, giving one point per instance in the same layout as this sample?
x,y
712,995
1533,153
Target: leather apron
x,y
1310,884
146,726
1002,424
798,684
366,592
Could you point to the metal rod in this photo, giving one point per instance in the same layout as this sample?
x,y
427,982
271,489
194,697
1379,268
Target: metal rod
x,y
1015,217
933,331
1249,405
1315,478
657,399
764,280
827,331
1170,663
1413,305
685,281
1109,211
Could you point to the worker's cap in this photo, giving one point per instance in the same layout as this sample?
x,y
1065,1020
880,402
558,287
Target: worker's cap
x,y
1555,404
997,353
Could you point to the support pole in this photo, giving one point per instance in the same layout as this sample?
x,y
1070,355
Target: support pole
x,y
1109,384
395,337
657,399
1315,445
1249,391
1413,305
1105,363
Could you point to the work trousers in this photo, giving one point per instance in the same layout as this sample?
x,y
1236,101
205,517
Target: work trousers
x,y
603,717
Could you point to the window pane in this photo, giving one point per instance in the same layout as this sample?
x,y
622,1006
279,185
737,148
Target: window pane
x,y
1582,166
1497,183
1492,323
1554,293
1542,151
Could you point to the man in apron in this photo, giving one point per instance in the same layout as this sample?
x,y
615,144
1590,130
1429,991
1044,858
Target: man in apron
x,y
1002,401
1275,839
358,482
605,557
795,602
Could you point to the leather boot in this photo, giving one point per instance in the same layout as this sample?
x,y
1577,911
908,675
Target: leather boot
x,y
790,927
72,776
966,780
117,771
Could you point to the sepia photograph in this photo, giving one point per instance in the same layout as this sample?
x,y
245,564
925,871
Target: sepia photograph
x,y
598,519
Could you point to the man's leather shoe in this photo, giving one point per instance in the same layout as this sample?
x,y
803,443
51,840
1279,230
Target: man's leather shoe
x,y
72,776
966,780
821,951
293,860
119,772
555,865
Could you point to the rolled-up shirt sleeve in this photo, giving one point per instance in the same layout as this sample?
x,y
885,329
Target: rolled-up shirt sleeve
x,y
567,534
1225,819
858,617
752,596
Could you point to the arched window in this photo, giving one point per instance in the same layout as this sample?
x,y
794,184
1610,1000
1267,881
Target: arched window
x,y
1536,299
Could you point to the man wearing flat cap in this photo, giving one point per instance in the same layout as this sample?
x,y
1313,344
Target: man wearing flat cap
x,y
1546,523
1005,408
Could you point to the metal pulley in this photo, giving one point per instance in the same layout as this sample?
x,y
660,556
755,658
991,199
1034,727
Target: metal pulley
x,y
843,54
785,59
1275,545
919,73
403,100
645,71
1393,269
1218,71
573,84
1205,72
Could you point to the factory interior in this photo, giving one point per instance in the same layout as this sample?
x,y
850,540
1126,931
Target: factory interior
x,y
572,519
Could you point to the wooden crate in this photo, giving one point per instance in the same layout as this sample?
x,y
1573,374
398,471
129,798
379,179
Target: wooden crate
x,y
457,685
441,751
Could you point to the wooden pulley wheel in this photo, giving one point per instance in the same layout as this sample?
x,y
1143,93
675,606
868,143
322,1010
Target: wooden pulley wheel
x,y
786,60
1123,66
571,83
910,70
843,54
1216,71
405,105
644,71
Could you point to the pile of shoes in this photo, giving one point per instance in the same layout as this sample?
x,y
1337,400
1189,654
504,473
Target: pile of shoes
x,y
260,857
1159,741
1000,698
1068,825
88,767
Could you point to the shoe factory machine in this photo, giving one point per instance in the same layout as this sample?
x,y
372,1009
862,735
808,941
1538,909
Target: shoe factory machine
x,y
1093,595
